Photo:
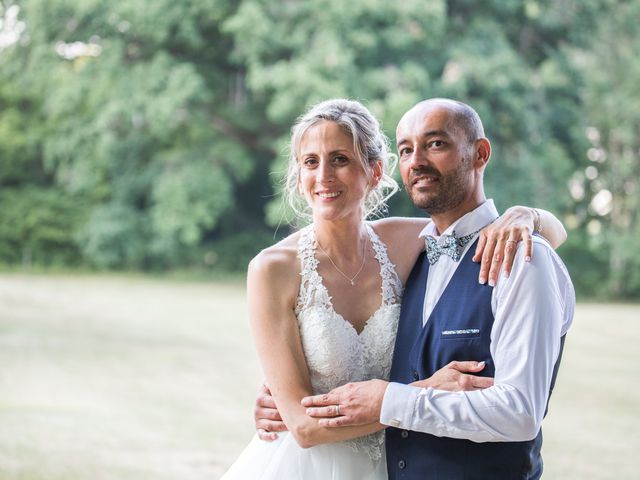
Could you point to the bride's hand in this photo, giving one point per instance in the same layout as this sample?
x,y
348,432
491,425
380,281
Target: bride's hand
x,y
498,242
454,378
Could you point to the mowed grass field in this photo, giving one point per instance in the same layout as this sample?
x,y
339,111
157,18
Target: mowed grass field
x,y
117,378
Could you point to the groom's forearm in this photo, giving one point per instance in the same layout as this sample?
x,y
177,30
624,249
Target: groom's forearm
x,y
497,414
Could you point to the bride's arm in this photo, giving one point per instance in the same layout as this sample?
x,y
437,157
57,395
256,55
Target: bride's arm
x,y
272,285
536,220
495,245
495,249
550,227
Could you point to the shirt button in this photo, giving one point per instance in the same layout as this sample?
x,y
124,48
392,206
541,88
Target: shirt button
x,y
404,434
402,464
415,375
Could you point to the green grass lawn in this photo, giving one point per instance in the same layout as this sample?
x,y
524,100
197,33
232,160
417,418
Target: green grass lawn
x,y
132,378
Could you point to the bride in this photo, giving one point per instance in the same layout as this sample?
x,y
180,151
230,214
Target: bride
x,y
324,302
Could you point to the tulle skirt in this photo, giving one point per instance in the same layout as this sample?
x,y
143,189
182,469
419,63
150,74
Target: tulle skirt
x,y
283,459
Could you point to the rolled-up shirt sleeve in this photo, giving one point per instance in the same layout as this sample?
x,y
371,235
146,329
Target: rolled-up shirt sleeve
x,y
532,309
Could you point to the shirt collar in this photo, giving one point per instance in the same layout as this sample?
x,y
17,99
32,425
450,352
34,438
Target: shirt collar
x,y
476,219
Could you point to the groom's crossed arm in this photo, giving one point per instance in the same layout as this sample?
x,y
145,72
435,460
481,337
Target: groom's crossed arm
x,y
454,377
361,402
266,416
534,310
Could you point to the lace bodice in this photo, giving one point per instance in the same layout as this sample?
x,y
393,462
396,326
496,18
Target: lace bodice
x,y
336,354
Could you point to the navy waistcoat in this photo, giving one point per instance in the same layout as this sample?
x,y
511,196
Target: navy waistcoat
x,y
459,328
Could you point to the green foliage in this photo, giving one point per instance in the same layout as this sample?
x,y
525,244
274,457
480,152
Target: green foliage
x,y
169,119
234,251
188,200
115,236
611,174
141,125
37,227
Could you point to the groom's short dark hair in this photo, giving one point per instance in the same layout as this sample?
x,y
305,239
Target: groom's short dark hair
x,y
466,118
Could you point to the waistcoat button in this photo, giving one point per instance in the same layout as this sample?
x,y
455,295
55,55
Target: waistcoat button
x,y
404,434
402,464
415,375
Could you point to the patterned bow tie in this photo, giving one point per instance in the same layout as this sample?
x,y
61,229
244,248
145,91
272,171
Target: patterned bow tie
x,y
451,246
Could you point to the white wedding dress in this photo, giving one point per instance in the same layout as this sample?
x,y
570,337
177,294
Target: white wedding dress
x,y
335,355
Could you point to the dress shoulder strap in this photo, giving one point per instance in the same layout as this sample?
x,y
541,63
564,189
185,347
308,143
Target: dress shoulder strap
x,y
391,284
306,250
311,289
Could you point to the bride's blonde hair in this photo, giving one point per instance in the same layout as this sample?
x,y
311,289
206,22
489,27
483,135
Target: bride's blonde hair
x,y
369,142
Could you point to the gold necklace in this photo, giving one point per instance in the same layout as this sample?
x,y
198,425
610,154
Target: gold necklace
x,y
351,280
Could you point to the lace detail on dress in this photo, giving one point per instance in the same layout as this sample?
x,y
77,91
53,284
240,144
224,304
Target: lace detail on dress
x,y
311,283
391,285
336,354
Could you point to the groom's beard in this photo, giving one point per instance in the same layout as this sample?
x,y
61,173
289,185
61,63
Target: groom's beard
x,y
447,192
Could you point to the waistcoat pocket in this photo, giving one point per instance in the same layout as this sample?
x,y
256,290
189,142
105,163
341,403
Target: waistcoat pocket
x,y
460,333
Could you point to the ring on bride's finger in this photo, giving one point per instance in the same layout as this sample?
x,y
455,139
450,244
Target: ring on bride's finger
x,y
337,410
512,241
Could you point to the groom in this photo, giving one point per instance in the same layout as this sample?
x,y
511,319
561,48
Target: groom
x,y
517,327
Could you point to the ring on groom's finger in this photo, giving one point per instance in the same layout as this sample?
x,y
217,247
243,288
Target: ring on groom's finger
x,y
337,410
512,241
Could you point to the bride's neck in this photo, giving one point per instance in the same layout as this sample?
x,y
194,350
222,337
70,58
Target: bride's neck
x,y
341,238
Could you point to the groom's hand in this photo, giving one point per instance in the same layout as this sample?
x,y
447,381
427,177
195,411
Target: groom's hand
x,y
266,416
457,376
356,403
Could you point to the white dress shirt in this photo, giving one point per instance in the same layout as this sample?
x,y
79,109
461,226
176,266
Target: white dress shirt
x,y
532,309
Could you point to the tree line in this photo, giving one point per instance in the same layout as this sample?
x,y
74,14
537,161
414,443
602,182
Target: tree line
x,y
150,135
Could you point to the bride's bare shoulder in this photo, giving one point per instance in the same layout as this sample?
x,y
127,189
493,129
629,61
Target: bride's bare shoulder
x,y
277,261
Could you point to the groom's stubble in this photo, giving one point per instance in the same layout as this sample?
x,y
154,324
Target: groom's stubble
x,y
448,194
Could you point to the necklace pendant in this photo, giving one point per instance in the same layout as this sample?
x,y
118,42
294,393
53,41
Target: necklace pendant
x,y
351,280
